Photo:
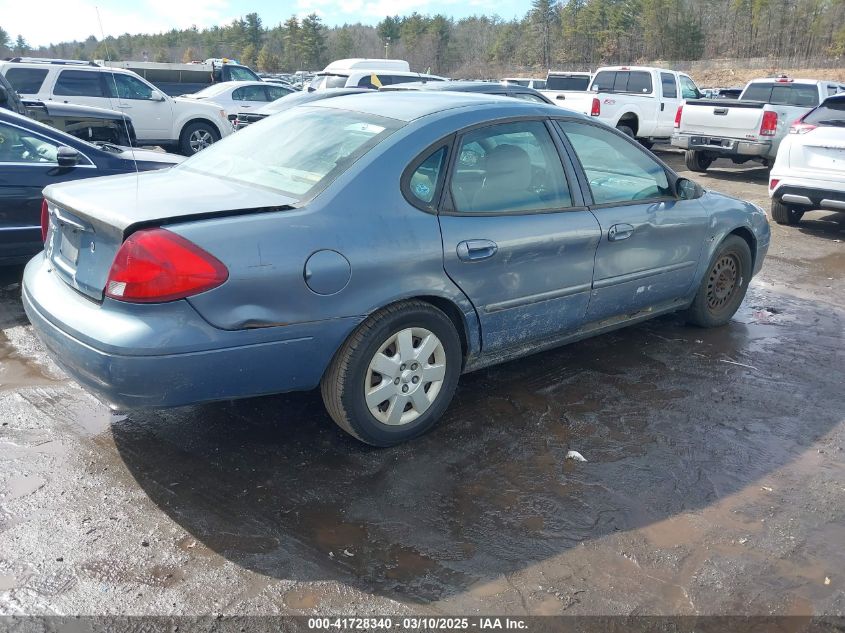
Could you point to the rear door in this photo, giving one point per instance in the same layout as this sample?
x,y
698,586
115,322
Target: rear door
x,y
517,238
83,87
152,118
669,103
650,241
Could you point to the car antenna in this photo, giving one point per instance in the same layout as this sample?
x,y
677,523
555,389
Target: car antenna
x,y
114,83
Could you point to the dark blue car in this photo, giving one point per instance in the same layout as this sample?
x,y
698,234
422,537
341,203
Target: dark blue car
x,y
377,246
34,155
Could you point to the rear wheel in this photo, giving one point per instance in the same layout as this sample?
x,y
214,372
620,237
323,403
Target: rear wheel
x,y
626,130
395,375
646,143
724,285
697,161
784,214
196,137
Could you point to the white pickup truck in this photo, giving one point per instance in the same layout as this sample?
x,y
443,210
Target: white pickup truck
x,y
750,128
559,85
640,101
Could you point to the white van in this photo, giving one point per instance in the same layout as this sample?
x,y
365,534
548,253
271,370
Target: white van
x,y
158,118
367,73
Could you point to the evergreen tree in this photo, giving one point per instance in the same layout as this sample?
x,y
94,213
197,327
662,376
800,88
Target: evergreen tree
x,y
21,47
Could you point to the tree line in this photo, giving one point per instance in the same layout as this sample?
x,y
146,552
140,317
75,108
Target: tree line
x,y
569,34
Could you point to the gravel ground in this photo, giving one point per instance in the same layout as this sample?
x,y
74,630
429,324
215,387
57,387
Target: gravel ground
x,y
714,480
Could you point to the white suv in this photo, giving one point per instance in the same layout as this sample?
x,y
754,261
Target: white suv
x,y
158,119
809,171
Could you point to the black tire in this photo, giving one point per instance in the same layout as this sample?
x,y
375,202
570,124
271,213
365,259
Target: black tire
x,y
724,284
646,143
697,161
784,214
343,385
195,137
626,130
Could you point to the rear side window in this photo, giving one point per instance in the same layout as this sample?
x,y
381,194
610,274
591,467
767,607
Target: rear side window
x,y
527,96
250,93
425,178
637,82
830,113
670,88
79,83
510,167
26,80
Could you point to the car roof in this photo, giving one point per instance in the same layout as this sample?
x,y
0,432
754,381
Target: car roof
x,y
408,105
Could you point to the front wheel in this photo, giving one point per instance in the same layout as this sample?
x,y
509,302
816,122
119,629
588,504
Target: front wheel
x,y
784,214
724,285
395,375
196,137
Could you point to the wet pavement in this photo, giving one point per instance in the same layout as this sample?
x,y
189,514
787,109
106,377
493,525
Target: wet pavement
x,y
714,480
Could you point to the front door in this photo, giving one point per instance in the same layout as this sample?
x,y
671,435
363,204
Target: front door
x,y
651,241
151,117
517,238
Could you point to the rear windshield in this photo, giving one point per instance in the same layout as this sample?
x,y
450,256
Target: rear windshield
x,y
327,142
568,83
328,81
632,81
26,80
779,93
830,113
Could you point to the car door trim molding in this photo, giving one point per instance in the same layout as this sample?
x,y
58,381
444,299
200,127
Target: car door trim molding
x,y
642,274
536,298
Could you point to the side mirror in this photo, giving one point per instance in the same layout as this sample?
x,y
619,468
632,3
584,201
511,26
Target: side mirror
x,y
67,156
155,95
686,189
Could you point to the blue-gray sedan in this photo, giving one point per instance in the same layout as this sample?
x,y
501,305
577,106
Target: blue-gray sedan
x,y
377,246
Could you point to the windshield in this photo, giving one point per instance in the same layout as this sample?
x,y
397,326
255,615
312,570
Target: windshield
x,y
782,93
328,81
241,73
568,83
326,143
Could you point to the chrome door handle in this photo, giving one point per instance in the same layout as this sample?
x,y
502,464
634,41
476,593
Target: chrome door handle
x,y
619,232
474,250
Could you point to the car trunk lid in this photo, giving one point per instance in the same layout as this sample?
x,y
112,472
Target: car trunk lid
x,y
822,153
90,219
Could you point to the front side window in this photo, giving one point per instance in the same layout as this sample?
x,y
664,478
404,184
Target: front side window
x,y
128,87
423,183
618,171
688,88
79,83
22,146
327,142
670,88
512,167
26,81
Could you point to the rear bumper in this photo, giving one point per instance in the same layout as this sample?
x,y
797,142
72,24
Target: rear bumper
x,y
166,355
724,146
809,193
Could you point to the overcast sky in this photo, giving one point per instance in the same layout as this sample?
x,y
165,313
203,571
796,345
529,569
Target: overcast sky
x,y
43,22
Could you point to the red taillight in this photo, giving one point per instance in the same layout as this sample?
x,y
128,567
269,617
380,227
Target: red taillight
x,y
156,265
773,183
595,110
678,116
770,123
45,220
